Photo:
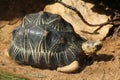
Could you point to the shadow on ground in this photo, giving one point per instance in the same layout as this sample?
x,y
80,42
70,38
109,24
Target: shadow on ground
x,y
90,60
10,9
103,6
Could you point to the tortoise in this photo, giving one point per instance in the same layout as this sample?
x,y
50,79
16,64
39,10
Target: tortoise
x,y
46,40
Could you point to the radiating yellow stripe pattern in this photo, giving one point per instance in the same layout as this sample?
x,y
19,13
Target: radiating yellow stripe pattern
x,y
42,40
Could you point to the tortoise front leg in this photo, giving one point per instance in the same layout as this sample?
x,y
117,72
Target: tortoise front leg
x,y
69,68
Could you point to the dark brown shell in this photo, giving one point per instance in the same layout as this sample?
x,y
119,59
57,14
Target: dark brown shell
x,y
45,39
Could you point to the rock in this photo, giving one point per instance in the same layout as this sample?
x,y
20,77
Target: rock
x,y
78,24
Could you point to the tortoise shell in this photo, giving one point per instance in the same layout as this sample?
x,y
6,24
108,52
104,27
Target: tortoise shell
x,y
45,40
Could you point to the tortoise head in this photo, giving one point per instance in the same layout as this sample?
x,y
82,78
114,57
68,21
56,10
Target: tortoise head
x,y
90,47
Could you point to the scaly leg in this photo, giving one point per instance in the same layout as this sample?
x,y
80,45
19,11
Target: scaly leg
x,y
69,68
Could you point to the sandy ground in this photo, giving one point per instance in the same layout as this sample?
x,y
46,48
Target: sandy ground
x,y
105,67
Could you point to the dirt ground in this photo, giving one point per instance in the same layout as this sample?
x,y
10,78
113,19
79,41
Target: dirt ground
x,y
105,67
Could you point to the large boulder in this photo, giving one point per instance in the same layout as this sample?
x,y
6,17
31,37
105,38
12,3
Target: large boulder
x,y
89,15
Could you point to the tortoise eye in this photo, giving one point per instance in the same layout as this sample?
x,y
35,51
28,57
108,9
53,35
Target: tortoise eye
x,y
98,46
